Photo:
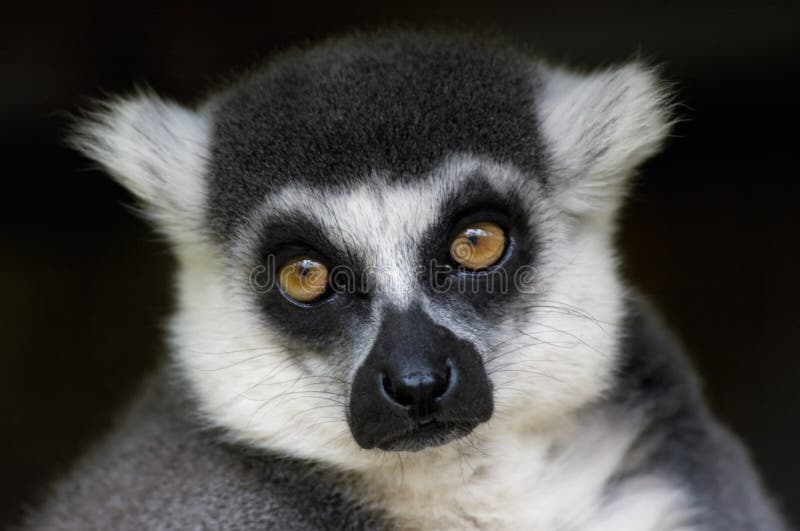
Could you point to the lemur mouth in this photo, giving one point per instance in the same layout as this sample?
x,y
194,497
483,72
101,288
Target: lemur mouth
x,y
427,435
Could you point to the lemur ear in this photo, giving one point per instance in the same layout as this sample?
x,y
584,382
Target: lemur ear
x,y
597,128
156,149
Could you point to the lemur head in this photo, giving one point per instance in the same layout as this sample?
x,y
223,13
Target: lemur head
x,y
390,241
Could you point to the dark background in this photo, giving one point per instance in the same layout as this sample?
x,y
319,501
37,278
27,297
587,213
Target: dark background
x,y
711,233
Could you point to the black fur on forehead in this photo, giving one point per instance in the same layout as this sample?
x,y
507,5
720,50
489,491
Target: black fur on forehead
x,y
395,103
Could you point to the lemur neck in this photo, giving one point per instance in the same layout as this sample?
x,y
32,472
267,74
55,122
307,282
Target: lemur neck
x,y
531,474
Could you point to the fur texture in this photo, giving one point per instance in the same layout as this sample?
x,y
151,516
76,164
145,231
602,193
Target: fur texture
x,y
367,151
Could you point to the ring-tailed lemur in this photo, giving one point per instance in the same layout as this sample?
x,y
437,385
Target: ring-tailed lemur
x,y
399,307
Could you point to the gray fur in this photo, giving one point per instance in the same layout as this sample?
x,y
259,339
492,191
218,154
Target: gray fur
x,y
160,470
387,102
681,438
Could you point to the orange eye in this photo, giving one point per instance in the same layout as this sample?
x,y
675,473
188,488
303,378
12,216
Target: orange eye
x,y
478,246
303,279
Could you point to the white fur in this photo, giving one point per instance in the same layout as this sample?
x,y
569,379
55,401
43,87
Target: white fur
x,y
158,150
598,128
537,479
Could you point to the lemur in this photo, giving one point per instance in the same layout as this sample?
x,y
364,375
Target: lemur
x,y
399,306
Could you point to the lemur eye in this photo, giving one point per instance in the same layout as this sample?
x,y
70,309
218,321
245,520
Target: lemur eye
x,y
479,245
303,279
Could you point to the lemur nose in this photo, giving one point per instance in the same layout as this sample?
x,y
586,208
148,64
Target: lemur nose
x,y
420,385
418,391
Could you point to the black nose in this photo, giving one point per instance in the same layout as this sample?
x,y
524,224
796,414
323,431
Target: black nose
x,y
419,386
417,389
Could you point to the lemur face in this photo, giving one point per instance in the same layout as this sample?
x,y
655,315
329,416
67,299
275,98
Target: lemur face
x,y
399,291
392,242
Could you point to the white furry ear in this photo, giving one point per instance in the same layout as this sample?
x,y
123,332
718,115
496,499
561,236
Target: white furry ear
x,y
597,128
156,149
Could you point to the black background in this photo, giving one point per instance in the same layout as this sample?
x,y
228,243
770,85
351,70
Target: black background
x,y
711,233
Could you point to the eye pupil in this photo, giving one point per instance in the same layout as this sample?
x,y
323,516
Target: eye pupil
x,y
303,279
478,246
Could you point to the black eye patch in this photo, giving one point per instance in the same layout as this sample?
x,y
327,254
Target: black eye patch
x,y
285,233
319,323
494,287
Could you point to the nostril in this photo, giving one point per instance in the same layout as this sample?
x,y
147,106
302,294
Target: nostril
x,y
418,391
386,383
397,395
442,385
